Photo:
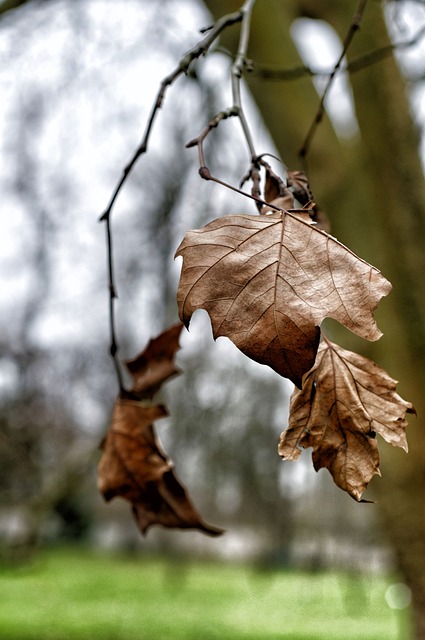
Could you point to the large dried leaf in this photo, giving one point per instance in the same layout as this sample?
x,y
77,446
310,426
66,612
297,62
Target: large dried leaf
x,y
134,467
267,283
345,401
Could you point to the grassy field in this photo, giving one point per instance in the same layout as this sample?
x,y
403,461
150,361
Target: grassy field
x,y
67,595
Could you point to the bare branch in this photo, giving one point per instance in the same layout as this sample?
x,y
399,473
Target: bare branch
x,y
182,68
112,297
198,142
354,27
239,66
295,73
238,70
383,52
355,65
205,173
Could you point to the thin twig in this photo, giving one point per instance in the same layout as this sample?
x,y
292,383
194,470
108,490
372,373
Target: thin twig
x,y
294,73
354,27
355,65
383,52
112,297
205,173
237,110
199,140
182,68
238,68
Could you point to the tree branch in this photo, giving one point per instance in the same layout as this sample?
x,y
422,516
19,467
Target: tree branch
x,y
383,52
354,27
113,349
238,68
205,173
182,68
355,65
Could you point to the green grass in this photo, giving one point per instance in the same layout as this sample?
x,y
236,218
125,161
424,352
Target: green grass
x,y
75,594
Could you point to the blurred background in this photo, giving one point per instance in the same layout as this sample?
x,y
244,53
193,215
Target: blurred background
x,y
77,81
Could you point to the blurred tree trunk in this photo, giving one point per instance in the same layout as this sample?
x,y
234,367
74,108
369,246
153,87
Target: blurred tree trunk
x,y
373,192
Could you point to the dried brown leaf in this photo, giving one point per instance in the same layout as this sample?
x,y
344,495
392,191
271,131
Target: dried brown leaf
x,y
134,467
267,283
275,187
298,182
275,192
300,187
155,364
345,401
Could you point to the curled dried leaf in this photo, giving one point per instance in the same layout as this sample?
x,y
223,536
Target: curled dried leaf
x,y
275,192
300,187
298,182
275,187
135,467
133,464
155,364
345,401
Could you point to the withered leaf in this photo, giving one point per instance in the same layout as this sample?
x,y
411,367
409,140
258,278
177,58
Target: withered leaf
x,y
267,283
155,364
345,401
275,190
134,467
299,184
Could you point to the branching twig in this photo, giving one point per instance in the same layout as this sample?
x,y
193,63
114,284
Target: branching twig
x,y
237,110
199,140
182,68
354,27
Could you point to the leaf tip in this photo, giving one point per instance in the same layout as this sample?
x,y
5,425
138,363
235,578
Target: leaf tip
x,y
411,409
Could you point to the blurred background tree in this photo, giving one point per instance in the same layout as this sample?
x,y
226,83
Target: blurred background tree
x,y
372,188
79,79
